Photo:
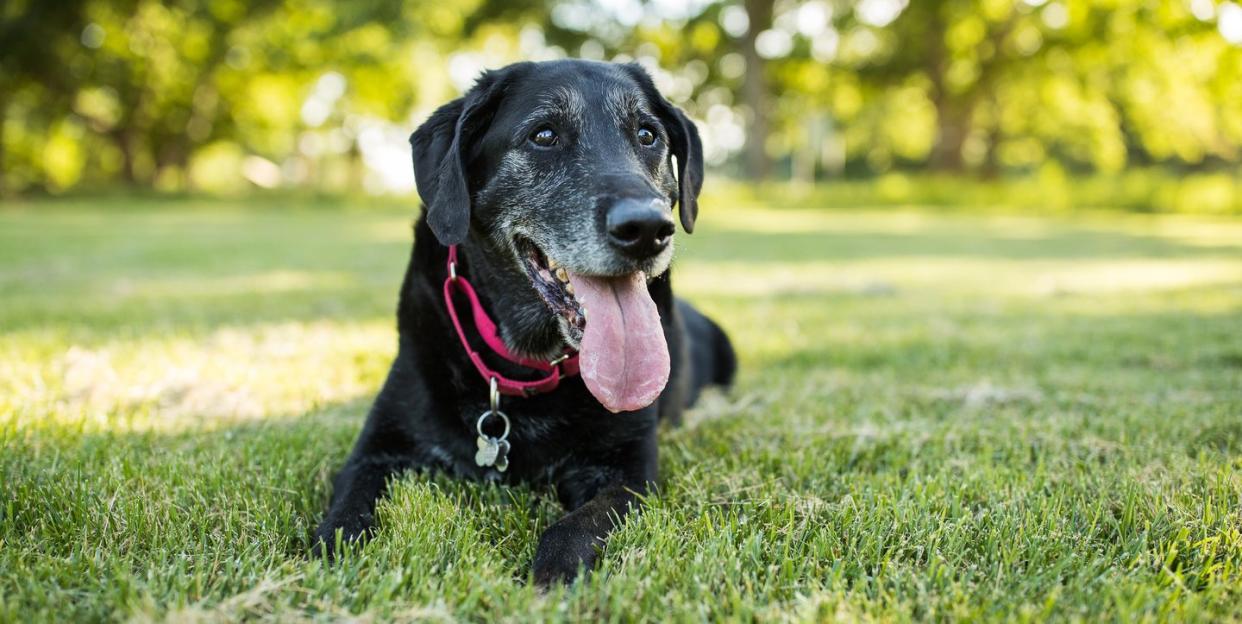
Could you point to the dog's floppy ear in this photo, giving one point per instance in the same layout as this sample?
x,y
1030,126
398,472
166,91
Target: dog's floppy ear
x,y
440,148
683,138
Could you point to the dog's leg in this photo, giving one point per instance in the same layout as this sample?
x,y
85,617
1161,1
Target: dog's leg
x,y
599,498
360,484
386,447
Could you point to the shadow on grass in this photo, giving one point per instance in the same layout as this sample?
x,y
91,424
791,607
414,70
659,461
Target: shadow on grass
x,y
1168,342
728,245
199,312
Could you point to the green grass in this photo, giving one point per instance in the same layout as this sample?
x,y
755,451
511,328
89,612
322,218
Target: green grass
x,y
939,416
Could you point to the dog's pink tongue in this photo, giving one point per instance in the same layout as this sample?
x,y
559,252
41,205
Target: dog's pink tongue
x,y
623,358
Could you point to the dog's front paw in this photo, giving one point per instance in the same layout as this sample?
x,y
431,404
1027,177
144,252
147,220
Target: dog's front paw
x,y
564,551
332,536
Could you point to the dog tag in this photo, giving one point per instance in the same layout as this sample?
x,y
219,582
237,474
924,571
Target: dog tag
x,y
488,450
492,452
502,456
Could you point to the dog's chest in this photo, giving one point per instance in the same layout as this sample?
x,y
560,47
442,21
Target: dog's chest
x,y
542,440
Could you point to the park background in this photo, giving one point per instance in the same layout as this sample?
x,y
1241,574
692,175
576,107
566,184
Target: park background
x,y
982,261
1142,96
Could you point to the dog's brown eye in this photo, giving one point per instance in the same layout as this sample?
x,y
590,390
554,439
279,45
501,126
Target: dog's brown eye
x,y
544,137
646,136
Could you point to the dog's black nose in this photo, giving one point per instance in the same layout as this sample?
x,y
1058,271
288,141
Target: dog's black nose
x,y
639,228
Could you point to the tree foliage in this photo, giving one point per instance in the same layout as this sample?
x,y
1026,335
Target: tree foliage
x,y
183,93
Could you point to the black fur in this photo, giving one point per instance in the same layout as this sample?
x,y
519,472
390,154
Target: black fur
x,y
482,184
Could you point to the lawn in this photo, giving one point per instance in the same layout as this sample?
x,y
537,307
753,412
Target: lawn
x,y
939,415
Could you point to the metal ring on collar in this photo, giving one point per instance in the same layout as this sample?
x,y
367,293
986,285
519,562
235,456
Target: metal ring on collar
x,y
478,424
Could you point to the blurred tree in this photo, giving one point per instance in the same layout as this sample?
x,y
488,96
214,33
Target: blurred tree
x,y
150,87
33,38
755,88
164,93
957,49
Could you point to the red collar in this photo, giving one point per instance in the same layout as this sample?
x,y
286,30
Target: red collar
x,y
564,366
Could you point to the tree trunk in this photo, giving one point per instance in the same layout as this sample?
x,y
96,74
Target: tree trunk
x,y
988,75
173,156
806,158
951,120
122,139
955,112
991,168
755,91
952,129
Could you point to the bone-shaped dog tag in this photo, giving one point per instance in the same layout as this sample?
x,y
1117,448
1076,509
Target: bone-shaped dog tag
x,y
502,455
488,450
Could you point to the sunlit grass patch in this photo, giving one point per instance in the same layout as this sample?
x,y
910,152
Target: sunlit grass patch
x,y
201,380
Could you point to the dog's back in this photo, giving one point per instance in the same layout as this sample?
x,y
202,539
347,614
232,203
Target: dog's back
x,y
711,357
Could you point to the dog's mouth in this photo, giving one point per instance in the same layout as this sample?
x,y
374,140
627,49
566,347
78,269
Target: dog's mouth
x,y
623,356
551,281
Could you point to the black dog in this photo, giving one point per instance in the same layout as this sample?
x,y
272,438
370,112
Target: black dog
x,y
555,183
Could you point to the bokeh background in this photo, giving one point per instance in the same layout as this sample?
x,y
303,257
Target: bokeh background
x,y
1141,98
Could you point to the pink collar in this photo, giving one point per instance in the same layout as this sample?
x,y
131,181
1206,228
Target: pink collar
x,y
564,366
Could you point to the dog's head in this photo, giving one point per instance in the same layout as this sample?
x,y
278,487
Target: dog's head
x,y
572,170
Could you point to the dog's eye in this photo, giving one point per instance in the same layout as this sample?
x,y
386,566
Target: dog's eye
x,y
543,137
646,136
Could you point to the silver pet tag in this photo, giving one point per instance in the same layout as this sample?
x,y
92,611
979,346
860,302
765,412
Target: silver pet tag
x,y
492,452
488,450
502,455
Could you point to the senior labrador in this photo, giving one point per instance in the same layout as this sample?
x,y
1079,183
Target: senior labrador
x,y
539,338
